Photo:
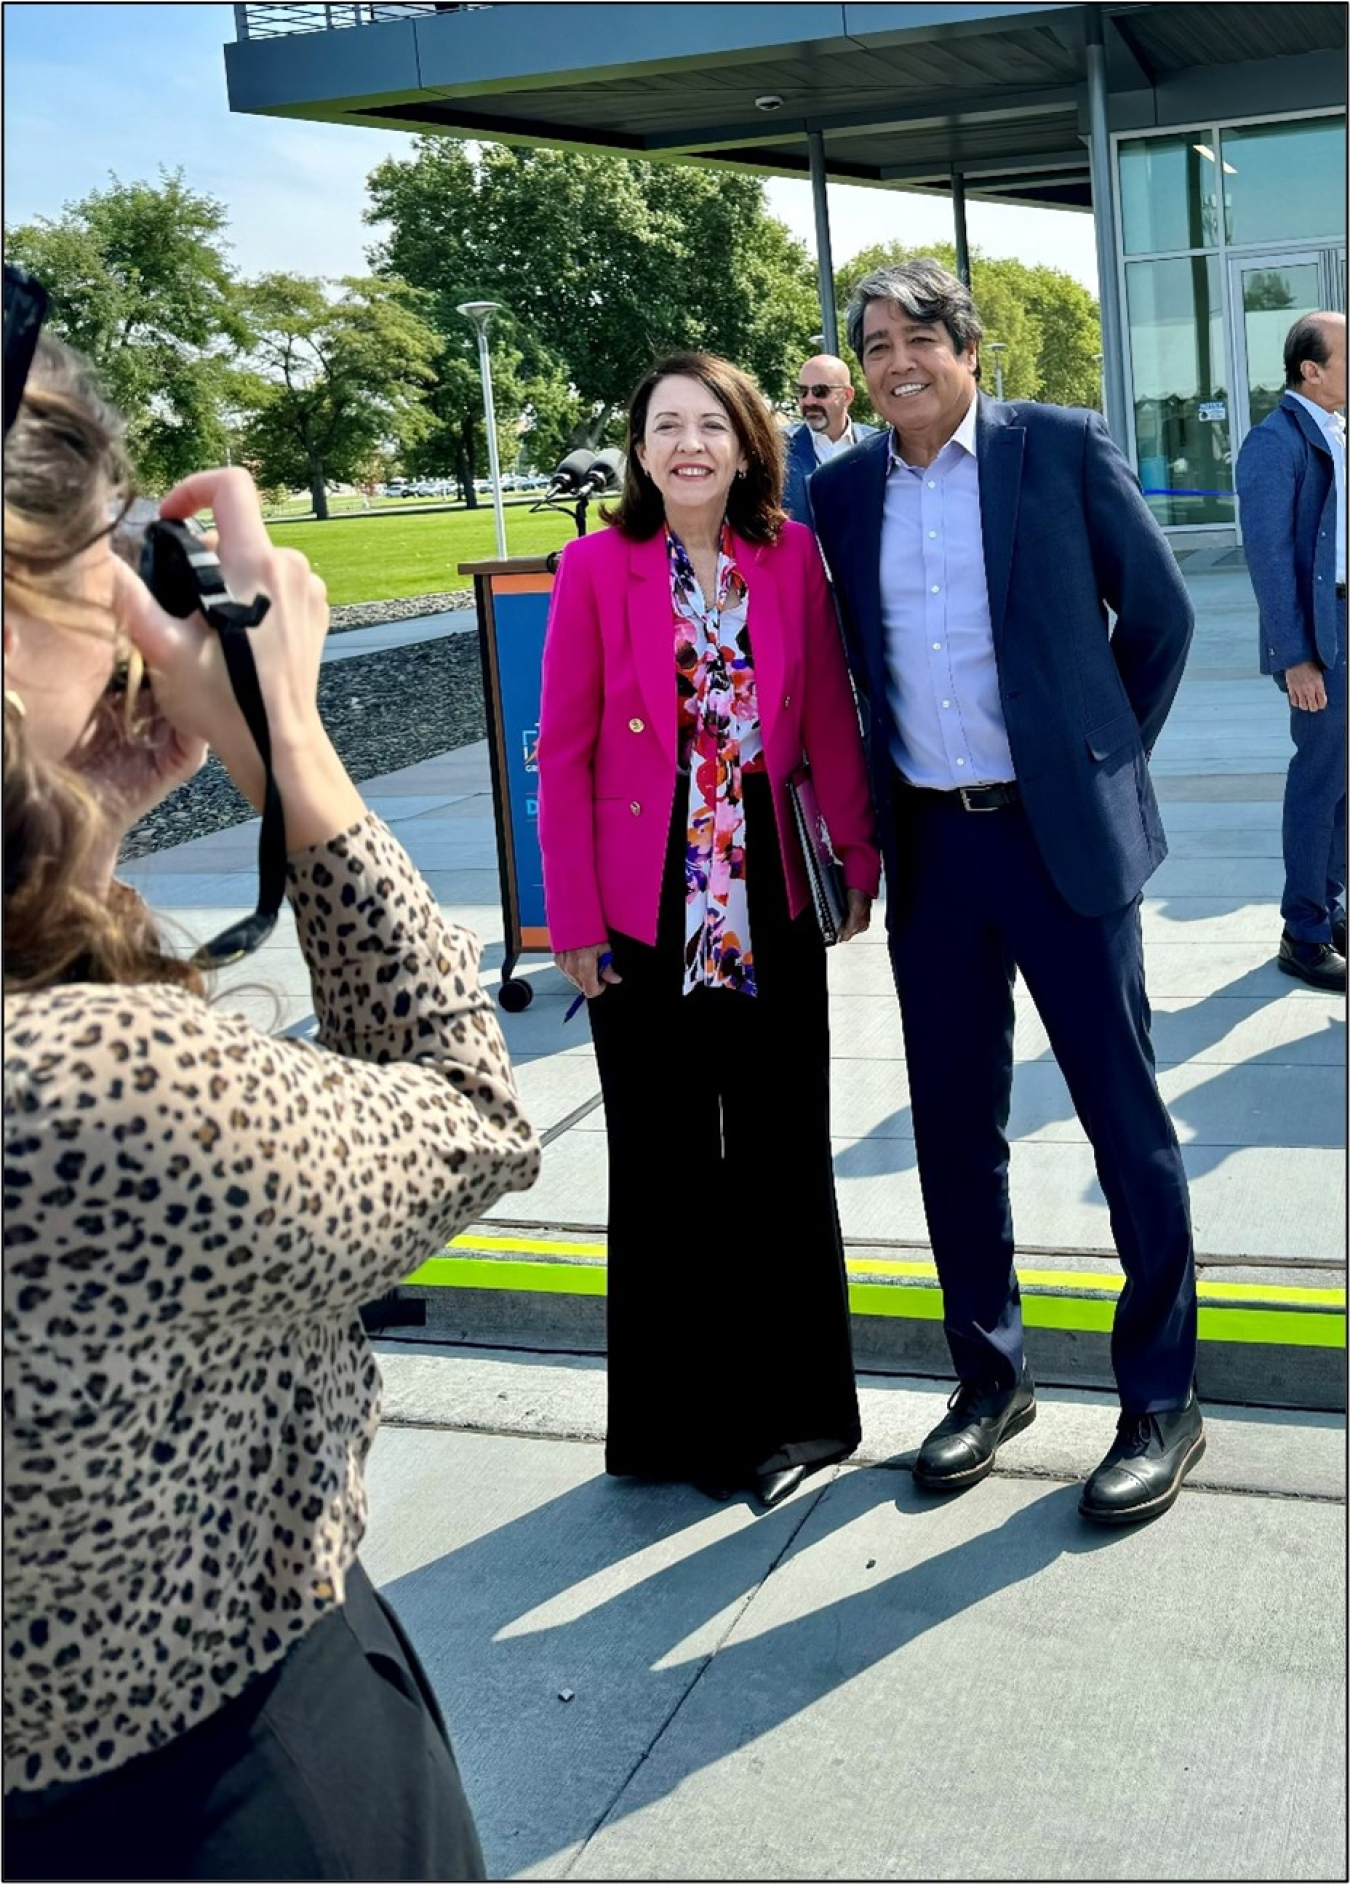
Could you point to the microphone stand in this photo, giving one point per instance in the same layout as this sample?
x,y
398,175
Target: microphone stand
x,y
576,512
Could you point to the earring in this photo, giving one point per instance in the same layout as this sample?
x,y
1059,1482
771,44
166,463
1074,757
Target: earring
x,y
15,704
741,473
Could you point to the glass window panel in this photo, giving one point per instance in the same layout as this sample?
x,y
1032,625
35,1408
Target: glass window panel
x,y
1274,295
1181,413
1284,182
1168,193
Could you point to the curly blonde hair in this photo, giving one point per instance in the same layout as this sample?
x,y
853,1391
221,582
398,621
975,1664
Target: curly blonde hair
x,y
66,471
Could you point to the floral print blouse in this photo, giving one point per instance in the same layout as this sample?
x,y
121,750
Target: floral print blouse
x,y
719,744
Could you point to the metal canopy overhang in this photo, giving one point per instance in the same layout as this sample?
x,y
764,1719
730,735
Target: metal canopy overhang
x,y
896,96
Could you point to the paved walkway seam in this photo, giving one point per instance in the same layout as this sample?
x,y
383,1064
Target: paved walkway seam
x,y
808,1505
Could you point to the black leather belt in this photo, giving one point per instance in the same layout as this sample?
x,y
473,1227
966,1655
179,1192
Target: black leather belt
x,y
970,797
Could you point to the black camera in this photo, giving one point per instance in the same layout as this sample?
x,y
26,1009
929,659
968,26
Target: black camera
x,y
25,310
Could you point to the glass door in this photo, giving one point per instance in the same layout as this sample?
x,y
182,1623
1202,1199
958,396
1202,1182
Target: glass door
x,y
1268,294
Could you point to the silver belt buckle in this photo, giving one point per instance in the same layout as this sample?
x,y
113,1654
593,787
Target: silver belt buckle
x,y
968,791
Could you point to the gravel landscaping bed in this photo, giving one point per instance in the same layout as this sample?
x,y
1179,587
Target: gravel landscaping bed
x,y
370,614
384,711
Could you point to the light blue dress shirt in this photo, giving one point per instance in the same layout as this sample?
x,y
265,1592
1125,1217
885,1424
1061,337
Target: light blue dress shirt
x,y
942,679
1333,430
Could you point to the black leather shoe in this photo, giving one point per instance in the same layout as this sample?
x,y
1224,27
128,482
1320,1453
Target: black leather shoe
x,y
1338,934
1317,963
960,1449
774,1487
1142,1473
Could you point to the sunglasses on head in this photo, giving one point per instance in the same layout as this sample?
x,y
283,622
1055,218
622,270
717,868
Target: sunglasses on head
x,y
817,392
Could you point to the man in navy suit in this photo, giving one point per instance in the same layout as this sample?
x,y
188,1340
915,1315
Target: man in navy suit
x,y
824,394
976,548
1291,484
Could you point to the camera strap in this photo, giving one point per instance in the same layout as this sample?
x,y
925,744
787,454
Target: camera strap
x,y
185,577
232,621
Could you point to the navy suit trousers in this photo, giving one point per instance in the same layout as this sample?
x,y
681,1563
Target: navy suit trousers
x,y
972,905
1314,809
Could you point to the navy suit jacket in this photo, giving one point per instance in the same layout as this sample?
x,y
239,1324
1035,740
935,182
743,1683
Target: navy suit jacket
x,y
1286,484
802,463
1067,536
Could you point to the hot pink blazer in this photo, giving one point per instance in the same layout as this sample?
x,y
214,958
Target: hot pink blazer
x,y
607,727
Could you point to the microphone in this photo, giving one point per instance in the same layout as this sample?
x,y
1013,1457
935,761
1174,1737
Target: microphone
x,y
566,480
604,473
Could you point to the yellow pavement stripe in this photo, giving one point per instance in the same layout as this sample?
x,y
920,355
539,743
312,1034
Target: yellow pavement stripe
x,y
1097,1284
908,1302
1077,1279
519,1246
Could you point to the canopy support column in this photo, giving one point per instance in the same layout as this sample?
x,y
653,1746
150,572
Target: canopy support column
x,y
959,218
829,321
1104,220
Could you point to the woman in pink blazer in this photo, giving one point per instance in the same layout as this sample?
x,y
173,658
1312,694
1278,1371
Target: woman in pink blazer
x,y
692,659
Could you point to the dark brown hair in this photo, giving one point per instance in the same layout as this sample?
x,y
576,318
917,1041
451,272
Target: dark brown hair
x,y
754,502
65,471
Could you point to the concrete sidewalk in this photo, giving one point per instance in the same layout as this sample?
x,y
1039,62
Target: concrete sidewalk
x,y
865,1683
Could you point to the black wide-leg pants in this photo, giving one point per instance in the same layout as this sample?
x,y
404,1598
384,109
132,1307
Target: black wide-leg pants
x,y
333,1764
728,1329
973,904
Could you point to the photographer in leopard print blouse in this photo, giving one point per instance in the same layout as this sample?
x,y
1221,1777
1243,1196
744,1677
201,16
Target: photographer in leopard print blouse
x,y
199,1679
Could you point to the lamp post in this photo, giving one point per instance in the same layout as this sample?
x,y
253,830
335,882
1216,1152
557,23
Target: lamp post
x,y
480,313
998,348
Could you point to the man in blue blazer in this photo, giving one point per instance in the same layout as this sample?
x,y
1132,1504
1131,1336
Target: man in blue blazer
x,y
1291,487
824,395
976,548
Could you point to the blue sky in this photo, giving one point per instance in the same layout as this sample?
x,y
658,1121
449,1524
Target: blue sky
x,y
93,89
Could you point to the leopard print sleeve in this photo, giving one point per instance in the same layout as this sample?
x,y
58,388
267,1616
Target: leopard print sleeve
x,y
194,1211
195,1166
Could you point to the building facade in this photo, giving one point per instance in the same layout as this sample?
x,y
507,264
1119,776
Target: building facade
x,y
1208,142
1227,232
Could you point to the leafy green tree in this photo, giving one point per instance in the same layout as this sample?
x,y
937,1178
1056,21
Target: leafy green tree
x,y
331,379
1071,341
140,282
1046,321
601,264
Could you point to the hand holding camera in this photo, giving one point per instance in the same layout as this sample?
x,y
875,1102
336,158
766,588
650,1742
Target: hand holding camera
x,y
192,682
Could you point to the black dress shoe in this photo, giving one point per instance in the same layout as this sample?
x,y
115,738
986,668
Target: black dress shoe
x,y
960,1449
774,1487
1317,963
1338,934
1142,1473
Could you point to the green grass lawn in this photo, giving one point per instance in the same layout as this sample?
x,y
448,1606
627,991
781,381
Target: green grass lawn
x,y
382,558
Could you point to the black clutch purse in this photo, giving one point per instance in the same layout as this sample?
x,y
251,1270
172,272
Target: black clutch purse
x,y
824,872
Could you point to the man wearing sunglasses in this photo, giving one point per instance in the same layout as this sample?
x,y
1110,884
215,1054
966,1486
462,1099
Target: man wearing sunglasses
x,y
824,395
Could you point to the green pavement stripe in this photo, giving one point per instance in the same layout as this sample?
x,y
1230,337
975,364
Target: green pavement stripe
x,y
1280,1327
461,1272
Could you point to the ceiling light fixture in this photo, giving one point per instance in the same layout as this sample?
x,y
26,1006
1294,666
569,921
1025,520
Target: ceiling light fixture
x,y
768,101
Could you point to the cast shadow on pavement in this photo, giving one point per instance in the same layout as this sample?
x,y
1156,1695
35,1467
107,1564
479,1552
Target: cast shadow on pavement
x,y
552,1603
